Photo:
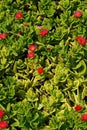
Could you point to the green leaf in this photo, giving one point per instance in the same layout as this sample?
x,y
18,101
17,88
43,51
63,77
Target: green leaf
x,y
2,107
81,67
64,3
84,92
3,61
8,107
21,93
31,96
16,123
61,73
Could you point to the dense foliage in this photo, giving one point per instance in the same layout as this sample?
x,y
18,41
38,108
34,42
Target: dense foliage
x,y
43,64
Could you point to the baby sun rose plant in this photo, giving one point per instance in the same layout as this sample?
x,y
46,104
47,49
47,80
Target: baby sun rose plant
x,y
43,64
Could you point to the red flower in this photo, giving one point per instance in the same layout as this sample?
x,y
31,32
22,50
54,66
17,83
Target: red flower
x,y
3,124
32,47
78,108
3,35
2,113
84,117
18,15
40,70
43,32
30,55
81,40
77,14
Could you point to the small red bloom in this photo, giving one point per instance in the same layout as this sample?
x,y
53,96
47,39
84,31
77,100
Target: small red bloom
x,y
84,117
30,55
3,124
3,35
32,47
43,32
2,113
77,14
40,70
78,108
81,40
18,15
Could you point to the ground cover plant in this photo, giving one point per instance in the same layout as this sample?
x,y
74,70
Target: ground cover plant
x,y
43,64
